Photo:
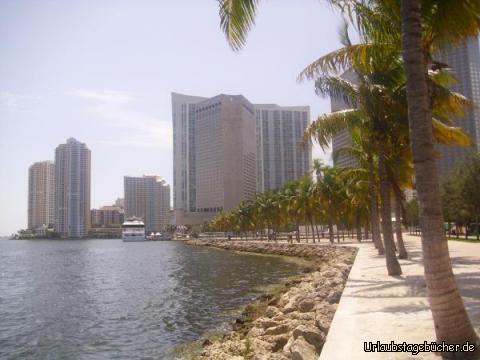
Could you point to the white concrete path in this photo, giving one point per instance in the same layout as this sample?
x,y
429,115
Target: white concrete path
x,y
376,307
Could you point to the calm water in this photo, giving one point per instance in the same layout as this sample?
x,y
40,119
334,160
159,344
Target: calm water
x,y
105,299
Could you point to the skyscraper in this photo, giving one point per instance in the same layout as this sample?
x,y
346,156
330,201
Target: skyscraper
x,y
342,139
282,155
464,60
148,198
72,189
214,155
41,194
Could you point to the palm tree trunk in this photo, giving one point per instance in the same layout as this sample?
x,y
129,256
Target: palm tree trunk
x,y
330,228
313,229
402,252
297,235
306,232
359,228
450,318
393,266
375,220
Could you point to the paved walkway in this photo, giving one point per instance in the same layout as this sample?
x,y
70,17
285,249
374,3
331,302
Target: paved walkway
x,y
375,307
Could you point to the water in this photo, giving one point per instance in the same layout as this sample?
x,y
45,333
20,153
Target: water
x,y
105,299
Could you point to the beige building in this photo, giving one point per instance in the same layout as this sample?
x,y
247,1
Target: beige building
x,y
106,216
72,189
214,155
41,194
148,198
282,154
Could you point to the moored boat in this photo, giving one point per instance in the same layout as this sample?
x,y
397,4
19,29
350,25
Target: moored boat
x,y
133,230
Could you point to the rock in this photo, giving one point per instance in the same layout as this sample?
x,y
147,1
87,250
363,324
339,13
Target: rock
x,y
334,296
311,334
206,342
288,345
255,332
322,323
306,305
302,350
271,312
278,342
266,323
280,329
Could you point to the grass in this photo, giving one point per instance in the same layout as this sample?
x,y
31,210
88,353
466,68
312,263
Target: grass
x,y
462,238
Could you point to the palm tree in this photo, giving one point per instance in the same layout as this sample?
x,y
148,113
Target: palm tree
x,y
451,320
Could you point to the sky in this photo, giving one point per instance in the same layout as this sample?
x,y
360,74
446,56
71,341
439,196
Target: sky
x,y
102,71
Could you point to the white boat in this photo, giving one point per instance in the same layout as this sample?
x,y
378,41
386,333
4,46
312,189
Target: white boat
x,y
133,230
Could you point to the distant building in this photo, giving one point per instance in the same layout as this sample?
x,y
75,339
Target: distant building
x,y
72,189
282,153
148,198
464,60
41,194
343,139
120,202
107,216
214,155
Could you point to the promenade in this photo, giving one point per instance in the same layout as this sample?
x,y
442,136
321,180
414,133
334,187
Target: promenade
x,y
376,307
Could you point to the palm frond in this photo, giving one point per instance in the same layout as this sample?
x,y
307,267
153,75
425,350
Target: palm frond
x,y
450,135
328,125
237,18
337,88
349,57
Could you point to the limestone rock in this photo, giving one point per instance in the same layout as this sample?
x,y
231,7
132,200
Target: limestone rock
x,y
302,350
311,334
271,312
306,305
277,330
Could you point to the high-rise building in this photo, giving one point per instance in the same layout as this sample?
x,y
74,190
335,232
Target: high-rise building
x,y
41,194
464,60
282,153
214,155
106,216
148,198
342,139
72,189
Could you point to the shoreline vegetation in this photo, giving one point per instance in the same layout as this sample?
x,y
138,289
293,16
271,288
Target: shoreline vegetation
x,y
291,321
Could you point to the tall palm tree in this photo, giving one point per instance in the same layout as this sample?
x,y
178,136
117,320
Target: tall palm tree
x,y
452,323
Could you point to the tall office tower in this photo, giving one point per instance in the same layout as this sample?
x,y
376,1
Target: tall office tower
x,y
464,60
214,155
148,198
342,139
282,155
41,194
72,189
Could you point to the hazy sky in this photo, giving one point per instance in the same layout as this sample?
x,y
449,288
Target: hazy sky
x,y
102,71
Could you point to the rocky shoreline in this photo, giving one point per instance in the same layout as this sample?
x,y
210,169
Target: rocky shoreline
x,y
291,323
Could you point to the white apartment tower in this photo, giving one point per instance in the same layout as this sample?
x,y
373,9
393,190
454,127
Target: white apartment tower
x,y
148,198
72,189
41,194
214,155
282,153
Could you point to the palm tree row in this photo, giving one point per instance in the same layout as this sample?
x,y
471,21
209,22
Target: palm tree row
x,y
331,197
400,107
